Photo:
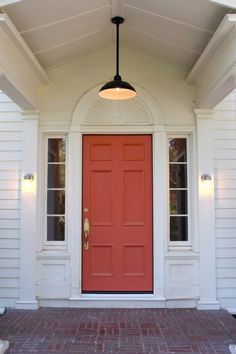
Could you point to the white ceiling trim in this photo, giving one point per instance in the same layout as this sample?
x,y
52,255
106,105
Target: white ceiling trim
x,y
196,28
8,2
227,3
62,44
158,39
66,19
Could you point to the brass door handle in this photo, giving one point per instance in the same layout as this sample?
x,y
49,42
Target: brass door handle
x,y
86,233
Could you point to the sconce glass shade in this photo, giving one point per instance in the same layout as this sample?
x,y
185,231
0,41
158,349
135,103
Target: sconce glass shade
x,y
29,177
206,178
117,90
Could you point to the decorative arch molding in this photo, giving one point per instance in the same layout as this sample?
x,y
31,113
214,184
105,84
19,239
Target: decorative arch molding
x,y
93,111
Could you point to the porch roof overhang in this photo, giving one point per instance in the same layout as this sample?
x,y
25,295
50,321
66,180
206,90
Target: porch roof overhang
x,y
172,34
215,71
20,73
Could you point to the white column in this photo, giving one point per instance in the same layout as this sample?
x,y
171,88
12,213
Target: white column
x,y
206,211
159,211
74,210
27,296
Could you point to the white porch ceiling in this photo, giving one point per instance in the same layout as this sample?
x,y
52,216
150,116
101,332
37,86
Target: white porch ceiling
x,y
58,31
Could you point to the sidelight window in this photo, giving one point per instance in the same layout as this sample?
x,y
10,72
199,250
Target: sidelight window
x,y
178,190
56,188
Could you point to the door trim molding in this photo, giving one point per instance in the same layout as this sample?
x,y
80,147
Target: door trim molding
x,y
149,121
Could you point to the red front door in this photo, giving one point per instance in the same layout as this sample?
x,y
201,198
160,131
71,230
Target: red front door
x,y
117,201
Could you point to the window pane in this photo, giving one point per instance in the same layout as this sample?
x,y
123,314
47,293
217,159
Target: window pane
x,y
178,176
178,228
56,150
55,228
178,202
177,150
56,176
56,202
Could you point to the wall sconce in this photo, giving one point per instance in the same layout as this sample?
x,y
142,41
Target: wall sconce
x,y
206,178
28,177
28,185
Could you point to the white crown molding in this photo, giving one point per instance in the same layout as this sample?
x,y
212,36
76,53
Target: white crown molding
x,y
8,2
220,35
20,73
14,37
227,3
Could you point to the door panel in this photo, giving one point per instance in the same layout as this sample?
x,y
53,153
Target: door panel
x,y
117,200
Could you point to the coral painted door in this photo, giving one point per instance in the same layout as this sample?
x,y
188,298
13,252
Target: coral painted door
x,y
117,201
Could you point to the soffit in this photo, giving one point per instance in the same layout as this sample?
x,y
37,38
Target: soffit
x,y
58,31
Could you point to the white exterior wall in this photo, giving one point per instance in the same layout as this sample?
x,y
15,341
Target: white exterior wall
x,y
10,181
225,200
58,267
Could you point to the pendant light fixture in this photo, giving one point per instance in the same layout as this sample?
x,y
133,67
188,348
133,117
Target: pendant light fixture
x,y
117,89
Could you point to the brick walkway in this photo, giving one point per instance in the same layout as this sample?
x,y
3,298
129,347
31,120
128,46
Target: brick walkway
x,y
129,331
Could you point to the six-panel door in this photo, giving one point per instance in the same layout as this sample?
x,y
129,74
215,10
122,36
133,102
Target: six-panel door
x,y
117,201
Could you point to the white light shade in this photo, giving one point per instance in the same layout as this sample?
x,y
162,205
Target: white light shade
x,y
117,94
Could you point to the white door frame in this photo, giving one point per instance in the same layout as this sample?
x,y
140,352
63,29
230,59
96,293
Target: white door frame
x,y
155,128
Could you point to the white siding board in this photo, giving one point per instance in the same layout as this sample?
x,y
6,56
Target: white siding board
x,y
225,194
11,293
10,156
225,163
225,223
10,174
11,165
225,213
9,273
225,203
226,252
9,223
226,242
225,199
9,282
10,146
225,184
229,154
10,204
7,117
11,185
9,194
226,273
9,214
10,263
224,134
226,283
9,243
223,143
228,115
224,174
220,125
226,293
9,253
10,136
225,262
225,233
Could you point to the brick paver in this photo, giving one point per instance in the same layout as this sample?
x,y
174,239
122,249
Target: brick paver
x,y
87,331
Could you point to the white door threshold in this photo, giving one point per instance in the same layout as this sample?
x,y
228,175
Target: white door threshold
x,y
118,300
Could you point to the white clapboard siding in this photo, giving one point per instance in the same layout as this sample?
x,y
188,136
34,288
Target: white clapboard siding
x,y
10,176
225,200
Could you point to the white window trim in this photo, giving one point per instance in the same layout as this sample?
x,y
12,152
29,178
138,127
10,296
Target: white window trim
x,y
182,245
53,245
